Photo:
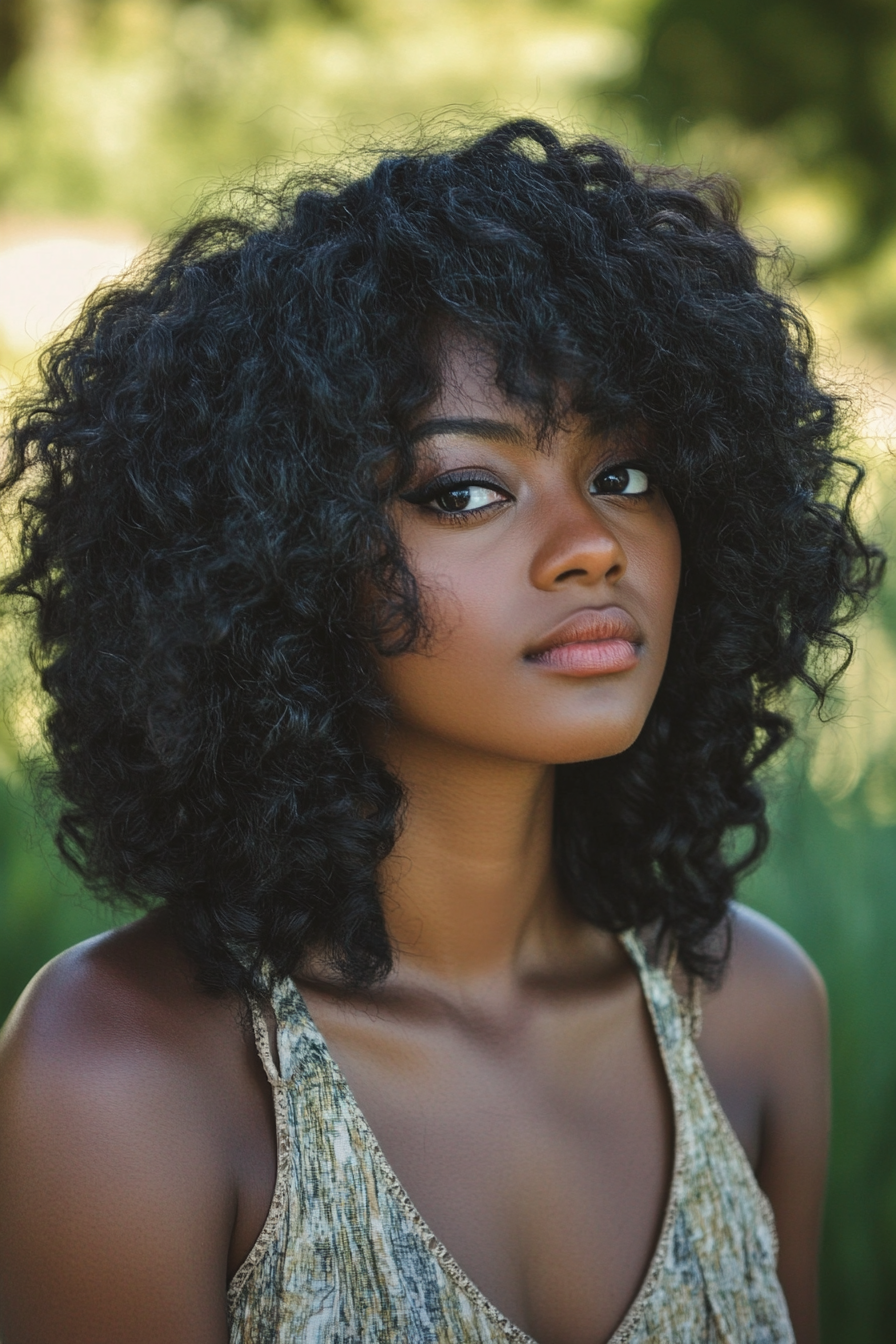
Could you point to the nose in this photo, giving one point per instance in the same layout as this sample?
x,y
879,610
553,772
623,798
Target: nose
x,y
575,546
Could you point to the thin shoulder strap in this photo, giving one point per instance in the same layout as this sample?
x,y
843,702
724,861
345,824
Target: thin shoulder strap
x,y
691,1003
263,1041
280,1199
673,1014
694,1007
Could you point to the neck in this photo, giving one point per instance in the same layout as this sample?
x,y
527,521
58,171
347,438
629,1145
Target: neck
x,y
469,889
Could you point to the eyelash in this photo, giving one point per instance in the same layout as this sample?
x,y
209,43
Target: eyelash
x,y
458,480
425,495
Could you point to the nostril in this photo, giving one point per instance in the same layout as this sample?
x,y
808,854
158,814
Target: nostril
x,y
583,572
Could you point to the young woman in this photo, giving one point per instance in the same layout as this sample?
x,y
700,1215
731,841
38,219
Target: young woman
x,y
418,568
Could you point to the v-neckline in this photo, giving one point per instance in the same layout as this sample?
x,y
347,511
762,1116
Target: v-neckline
x,y
436,1247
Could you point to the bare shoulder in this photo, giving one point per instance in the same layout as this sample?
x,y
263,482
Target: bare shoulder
x,y
127,1096
765,1024
768,975
114,1016
115,1037
770,1004
765,1047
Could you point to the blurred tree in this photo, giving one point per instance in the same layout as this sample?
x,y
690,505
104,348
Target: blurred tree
x,y
821,74
257,13
17,19
12,34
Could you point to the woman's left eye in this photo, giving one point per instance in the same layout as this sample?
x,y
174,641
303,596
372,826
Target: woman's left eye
x,y
621,481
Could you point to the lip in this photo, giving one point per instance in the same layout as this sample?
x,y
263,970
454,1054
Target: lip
x,y
593,642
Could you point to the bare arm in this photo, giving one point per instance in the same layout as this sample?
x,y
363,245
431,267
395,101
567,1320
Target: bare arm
x,y
120,1179
765,1046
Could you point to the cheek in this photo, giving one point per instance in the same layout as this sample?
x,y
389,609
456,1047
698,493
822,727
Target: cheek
x,y
653,575
659,579
466,664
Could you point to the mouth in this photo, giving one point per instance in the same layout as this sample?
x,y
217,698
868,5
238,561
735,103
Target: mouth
x,y
594,642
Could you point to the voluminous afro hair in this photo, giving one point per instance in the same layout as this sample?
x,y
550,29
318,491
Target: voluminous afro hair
x,y
202,479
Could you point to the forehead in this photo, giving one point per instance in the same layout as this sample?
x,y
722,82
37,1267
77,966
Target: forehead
x,y
467,388
466,371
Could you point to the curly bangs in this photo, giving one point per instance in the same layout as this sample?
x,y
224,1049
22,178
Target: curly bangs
x,y
201,479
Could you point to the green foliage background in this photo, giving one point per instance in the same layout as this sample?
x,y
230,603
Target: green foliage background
x,y
116,114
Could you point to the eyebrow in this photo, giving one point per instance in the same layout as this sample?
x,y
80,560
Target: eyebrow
x,y
499,431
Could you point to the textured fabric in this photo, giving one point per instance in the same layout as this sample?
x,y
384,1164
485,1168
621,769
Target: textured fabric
x,y
344,1257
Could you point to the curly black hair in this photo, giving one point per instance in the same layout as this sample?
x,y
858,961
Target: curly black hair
x,y
202,478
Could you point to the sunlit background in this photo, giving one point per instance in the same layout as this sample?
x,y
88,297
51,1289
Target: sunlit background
x,y
116,116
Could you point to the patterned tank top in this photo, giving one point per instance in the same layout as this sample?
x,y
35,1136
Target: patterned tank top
x,y
345,1258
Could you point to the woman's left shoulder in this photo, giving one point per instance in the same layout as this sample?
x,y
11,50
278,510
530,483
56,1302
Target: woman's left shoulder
x,y
764,1038
764,1044
771,995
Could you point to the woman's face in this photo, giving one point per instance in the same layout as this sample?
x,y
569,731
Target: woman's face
x,y
548,571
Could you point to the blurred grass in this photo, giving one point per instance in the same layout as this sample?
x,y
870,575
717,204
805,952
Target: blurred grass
x,y
43,908
828,880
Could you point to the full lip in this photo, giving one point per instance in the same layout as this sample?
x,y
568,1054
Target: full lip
x,y
592,625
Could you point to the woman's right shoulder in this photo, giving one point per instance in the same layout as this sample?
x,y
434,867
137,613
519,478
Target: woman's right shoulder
x,y
124,1000
125,1093
117,1034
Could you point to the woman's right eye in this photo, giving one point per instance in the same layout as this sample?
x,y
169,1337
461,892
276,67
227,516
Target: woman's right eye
x,y
458,497
466,498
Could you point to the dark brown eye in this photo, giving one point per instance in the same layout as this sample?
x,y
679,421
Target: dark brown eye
x,y
463,497
621,481
455,500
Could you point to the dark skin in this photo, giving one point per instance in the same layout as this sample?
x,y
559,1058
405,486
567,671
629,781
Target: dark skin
x,y
507,1065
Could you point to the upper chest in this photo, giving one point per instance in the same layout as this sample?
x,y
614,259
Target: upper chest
x,y
538,1150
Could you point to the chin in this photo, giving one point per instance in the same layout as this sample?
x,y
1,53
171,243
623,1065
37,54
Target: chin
x,y
590,746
